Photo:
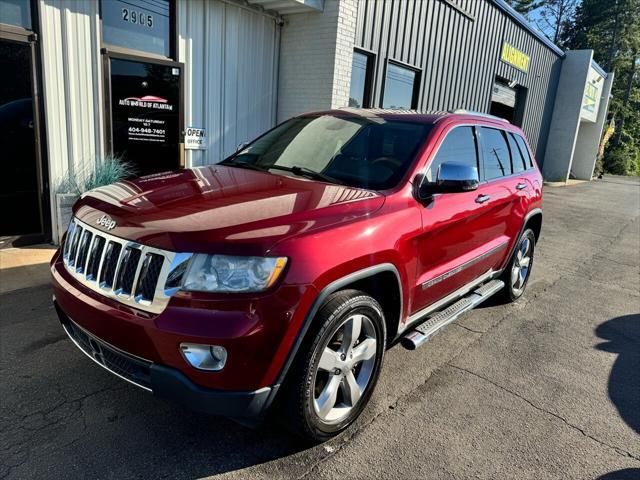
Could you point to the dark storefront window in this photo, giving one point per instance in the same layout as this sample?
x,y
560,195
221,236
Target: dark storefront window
x,y
360,80
143,25
145,113
16,12
400,85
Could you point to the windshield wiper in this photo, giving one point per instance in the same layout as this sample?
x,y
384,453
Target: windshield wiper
x,y
250,166
306,172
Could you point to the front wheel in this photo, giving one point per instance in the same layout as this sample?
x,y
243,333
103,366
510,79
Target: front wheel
x,y
517,272
337,368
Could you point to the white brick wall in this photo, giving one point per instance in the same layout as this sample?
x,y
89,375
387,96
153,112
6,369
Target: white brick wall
x,y
316,51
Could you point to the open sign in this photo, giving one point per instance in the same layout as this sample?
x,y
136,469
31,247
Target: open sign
x,y
195,138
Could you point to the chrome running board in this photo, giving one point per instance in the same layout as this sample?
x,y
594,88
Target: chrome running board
x,y
432,325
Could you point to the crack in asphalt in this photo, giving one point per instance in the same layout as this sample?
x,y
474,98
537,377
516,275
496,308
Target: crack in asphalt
x,y
509,312
75,405
468,329
618,450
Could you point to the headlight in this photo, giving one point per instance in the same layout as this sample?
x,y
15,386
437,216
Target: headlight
x,y
222,273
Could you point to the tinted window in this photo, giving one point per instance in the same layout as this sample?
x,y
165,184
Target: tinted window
x,y
358,80
354,151
137,24
519,162
399,84
459,146
524,150
16,12
495,154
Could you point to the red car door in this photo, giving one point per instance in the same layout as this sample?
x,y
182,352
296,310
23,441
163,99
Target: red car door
x,y
466,236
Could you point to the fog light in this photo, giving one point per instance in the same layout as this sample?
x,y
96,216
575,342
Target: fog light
x,y
204,357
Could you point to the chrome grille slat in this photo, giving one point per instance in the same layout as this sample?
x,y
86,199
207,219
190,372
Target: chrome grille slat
x,y
110,266
87,245
73,252
83,250
118,266
102,255
95,257
129,266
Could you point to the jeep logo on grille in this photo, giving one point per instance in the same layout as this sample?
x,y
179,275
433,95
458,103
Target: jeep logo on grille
x,y
107,222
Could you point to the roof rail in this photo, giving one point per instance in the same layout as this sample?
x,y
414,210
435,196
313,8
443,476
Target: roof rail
x,y
479,114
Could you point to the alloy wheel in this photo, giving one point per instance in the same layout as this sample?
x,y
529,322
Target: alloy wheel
x,y
345,368
521,266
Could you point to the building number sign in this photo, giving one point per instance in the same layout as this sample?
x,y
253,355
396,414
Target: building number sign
x,y
140,18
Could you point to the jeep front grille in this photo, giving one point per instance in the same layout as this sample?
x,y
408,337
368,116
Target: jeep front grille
x,y
120,269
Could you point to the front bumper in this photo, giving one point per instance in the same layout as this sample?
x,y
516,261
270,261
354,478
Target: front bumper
x,y
166,382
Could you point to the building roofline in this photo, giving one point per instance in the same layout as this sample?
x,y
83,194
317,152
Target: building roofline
x,y
599,69
508,9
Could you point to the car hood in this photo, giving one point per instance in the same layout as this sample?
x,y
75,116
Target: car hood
x,y
221,209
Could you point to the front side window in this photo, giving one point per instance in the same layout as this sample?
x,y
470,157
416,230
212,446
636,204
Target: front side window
x,y
354,151
399,87
459,146
358,91
137,24
495,154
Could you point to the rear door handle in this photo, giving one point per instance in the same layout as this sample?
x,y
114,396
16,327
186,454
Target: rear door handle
x,y
482,198
521,186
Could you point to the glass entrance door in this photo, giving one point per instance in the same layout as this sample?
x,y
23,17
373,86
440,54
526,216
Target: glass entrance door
x,y
20,205
145,113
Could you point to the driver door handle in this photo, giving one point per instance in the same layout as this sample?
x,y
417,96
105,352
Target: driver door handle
x,y
482,198
521,186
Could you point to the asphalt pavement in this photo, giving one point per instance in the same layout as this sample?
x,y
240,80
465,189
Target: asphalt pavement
x,y
546,388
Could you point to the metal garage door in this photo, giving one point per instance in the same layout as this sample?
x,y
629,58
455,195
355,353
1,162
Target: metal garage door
x,y
231,61
503,94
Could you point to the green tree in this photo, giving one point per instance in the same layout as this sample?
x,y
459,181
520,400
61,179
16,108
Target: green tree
x,y
612,29
525,7
556,17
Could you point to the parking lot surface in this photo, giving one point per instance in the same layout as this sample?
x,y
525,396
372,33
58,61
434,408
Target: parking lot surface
x,y
548,387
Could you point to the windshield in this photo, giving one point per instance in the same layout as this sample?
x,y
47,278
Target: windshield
x,y
355,151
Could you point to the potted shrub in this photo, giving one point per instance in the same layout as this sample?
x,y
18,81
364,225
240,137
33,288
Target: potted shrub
x,y
105,171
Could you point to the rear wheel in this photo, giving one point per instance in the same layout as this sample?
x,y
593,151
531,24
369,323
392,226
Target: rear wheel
x,y
337,368
516,274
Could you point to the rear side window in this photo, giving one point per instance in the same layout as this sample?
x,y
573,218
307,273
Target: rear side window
x,y
517,157
523,148
459,146
496,161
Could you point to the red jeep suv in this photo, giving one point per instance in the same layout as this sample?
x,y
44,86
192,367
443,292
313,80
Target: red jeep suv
x,y
280,275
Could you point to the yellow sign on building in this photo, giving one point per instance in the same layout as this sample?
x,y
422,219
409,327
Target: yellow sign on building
x,y
515,57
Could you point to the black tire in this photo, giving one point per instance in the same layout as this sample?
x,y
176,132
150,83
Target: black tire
x,y
511,292
296,406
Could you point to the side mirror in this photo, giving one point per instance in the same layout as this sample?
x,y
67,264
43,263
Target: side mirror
x,y
450,178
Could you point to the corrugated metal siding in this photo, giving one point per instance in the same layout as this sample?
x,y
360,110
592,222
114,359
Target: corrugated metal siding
x,y
458,55
72,91
231,61
72,73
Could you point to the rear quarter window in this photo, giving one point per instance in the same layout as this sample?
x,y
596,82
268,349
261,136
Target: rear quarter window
x,y
518,159
523,148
